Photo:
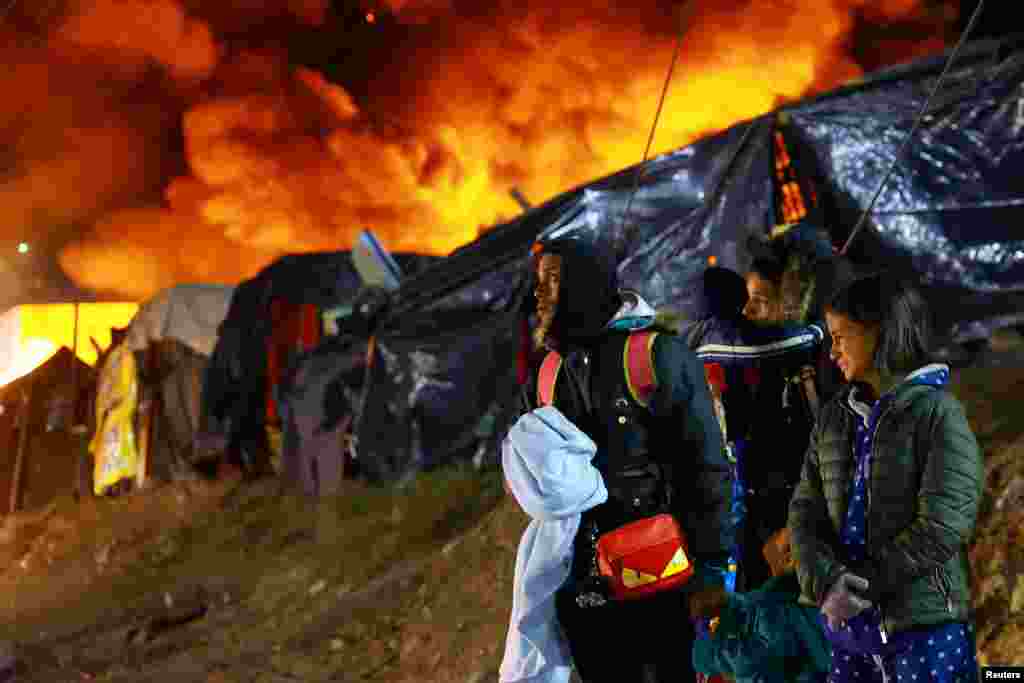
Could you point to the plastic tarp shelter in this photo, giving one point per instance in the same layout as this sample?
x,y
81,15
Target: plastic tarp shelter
x,y
234,387
444,382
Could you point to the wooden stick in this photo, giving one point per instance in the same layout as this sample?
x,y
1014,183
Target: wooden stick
x,y
19,462
521,200
149,391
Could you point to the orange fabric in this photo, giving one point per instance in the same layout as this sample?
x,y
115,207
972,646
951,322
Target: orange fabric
x,y
294,327
715,375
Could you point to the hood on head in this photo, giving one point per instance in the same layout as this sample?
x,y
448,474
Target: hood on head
x,y
588,296
723,294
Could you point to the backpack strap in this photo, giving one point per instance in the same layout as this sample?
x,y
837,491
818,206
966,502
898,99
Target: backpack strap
x,y
547,377
638,363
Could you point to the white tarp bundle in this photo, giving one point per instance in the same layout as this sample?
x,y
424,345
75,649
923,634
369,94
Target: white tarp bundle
x,y
188,313
546,461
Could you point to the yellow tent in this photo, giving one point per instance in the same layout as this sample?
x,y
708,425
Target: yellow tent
x,y
30,334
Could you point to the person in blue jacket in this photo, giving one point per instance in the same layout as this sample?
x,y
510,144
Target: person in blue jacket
x,y
762,349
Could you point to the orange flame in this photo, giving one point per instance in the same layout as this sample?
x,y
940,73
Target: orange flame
x,y
31,334
33,353
540,96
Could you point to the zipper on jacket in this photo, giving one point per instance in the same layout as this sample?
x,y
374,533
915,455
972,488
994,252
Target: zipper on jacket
x,y
867,517
945,588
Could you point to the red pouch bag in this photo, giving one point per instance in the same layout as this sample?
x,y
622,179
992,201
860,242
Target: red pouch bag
x,y
644,557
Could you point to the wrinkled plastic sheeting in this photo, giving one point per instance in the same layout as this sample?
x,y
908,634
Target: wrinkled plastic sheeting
x,y
699,202
953,207
443,388
235,380
952,211
444,383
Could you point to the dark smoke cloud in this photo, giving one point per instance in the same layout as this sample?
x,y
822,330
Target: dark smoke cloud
x,y
174,140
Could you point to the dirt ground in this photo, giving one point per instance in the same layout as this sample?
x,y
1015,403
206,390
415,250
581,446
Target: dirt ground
x,y
229,581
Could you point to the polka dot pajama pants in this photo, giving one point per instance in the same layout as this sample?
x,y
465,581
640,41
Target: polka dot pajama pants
x,y
944,654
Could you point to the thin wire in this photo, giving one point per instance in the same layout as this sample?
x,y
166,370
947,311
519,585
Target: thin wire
x,y
917,124
654,126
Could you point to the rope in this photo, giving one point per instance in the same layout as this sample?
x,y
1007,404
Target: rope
x,y
654,126
913,130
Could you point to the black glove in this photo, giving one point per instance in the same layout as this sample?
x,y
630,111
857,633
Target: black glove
x,y
844,600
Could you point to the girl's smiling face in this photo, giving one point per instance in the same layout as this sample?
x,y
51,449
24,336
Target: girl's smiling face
x,y
853,346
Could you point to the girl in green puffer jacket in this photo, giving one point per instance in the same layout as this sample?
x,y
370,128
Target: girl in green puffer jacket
x,y
888,499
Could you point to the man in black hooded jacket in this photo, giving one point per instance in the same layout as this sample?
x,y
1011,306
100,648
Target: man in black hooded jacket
x,y
584,316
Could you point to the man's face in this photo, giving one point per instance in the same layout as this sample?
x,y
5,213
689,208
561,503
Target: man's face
x,y
764,300
549,278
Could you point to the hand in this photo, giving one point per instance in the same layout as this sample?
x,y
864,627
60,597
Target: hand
x,y
708,602
842,602
808,373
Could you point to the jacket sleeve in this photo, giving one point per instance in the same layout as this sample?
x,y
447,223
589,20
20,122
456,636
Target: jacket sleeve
x,y
812,533
744,343
743,647
703,485
947,503
694,333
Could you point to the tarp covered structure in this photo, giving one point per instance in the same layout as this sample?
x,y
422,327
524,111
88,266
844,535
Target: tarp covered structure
x,y
444,373
189,313
169,342
53,453
239,383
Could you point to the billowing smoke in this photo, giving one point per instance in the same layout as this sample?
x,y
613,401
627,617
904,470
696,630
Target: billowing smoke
x,y
190,153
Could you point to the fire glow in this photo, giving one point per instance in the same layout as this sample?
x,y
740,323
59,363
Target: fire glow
x,y
539,96
31,334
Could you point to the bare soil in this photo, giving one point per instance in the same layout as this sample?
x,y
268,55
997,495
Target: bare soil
x,y
226,581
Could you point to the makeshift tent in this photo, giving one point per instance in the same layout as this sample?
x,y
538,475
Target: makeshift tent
x,y
51,455
31,333
443,372
150,388
272,318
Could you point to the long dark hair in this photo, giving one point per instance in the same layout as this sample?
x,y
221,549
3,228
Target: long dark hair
x,y
893,305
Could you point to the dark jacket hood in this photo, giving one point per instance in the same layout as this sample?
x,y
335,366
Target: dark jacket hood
x,y
723,294
589,293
